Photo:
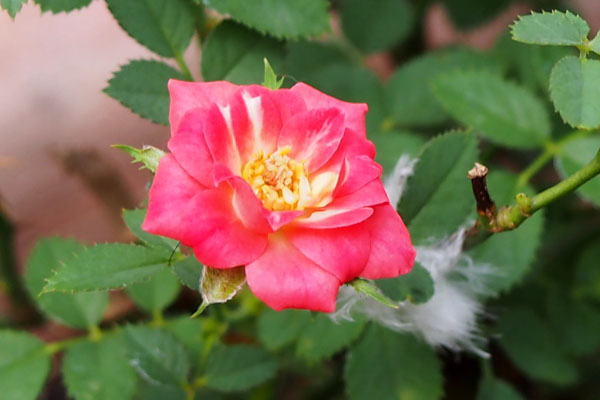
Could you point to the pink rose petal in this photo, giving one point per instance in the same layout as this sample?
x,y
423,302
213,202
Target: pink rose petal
x,y
343,251
189,95
283,278
334,218
189,147
344,226
256,122
392,253
217,235
357,171
218,133
354,113
171,192
313,136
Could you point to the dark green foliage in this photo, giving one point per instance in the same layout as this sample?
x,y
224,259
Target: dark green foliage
x,y
282,19
437,198
141,86
416,286
376,26
24,365
79,310
98,371
56,6
386,365
235,53
163,26
12,6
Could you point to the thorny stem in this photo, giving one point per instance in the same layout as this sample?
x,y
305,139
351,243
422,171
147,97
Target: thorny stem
x,y
510,217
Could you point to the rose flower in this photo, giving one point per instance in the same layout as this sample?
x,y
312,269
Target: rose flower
x,y
282,182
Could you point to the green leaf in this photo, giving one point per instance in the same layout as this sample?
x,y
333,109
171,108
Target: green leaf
x,y
322,338
416,286
277,329
409,97
158,357
107,266
220,285
271,81
575,91
386,365
497,389
157,293
576,324
304,59
352,83
532,63
98,371
282,19
392,145
147,155
533,347
554,28
573,156
587,273
141,86
189,272
235,53
134,219
190,332
595,44
157,391
79,310
500,110
369,289
24,365
163,26
438,197
376,27
239,367
510,266
57,6
12,6
468,14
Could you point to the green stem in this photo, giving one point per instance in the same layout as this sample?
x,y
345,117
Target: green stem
x,y
536,165
55,347
200,309
157,317
550,150
183,65
95,333
512,216
568,185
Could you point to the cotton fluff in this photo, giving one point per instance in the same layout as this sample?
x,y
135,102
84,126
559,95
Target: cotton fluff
x,y
449,318
395,182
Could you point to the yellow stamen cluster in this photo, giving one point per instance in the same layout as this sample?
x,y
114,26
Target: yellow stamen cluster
x,y
279,181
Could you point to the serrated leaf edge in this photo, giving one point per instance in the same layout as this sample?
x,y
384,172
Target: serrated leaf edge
x,y
533,13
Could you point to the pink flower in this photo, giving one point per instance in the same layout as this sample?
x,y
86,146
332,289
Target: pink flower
x,y
281,181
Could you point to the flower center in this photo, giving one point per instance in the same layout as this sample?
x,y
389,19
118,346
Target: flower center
x,y
279,181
